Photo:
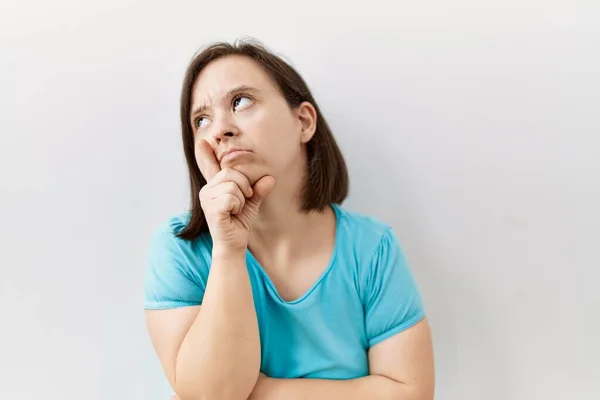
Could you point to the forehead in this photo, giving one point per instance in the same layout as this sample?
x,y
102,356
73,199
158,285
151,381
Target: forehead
x,y
226,73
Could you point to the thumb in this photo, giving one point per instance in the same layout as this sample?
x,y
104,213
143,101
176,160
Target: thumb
x,y
262,188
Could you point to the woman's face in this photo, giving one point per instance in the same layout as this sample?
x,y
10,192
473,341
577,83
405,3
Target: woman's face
x,y
236,106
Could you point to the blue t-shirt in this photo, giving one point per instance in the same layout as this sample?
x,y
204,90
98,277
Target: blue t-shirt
x,y
366,295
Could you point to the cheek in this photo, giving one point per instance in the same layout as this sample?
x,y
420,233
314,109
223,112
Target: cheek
x,y
274,135
279,130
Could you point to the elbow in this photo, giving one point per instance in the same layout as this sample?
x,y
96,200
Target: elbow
x,y
186,393
205,396
192,381
201,389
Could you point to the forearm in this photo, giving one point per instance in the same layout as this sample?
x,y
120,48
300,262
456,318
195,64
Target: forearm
x,y
373,387
220,355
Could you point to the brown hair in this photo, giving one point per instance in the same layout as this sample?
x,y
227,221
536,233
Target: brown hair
x,y
327,175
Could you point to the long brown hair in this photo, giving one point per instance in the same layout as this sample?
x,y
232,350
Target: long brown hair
x,y
327,175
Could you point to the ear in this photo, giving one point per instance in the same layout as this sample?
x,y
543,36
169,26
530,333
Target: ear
x,y
307,116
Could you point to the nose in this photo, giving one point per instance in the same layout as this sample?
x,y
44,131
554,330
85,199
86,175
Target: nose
x,y
223,129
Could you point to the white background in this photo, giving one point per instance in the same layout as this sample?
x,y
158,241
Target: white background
x,y
473,127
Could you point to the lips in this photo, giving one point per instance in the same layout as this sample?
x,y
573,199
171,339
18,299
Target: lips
x,y
231,151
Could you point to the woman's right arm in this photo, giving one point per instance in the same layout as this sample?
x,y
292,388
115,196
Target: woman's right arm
x,y
211,351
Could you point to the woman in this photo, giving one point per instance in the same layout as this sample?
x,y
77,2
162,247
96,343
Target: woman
x,y
268,288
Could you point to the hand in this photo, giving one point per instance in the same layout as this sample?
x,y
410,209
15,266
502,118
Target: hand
x,y
229,203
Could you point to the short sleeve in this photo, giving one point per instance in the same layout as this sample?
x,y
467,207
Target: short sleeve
x,y
170,281
393,301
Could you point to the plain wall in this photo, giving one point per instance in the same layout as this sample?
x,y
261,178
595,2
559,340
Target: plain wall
x,y
472,127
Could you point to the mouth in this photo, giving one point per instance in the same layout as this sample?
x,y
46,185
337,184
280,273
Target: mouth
x,y
233,153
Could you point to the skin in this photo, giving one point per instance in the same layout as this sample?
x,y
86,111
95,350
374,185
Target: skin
x,y
213,350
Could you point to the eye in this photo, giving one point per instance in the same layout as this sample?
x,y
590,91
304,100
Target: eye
x,y
201,122
241,102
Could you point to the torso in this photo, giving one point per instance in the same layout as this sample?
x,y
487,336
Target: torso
x,y
317,321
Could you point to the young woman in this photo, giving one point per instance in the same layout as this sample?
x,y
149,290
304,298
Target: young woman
x,y
268,288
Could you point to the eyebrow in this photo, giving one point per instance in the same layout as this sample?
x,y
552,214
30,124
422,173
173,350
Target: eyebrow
x,y
233,92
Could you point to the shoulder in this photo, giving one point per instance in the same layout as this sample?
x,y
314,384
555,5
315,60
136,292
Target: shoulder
x,y
388,289
369,244
174,224
168,251
177,269
364,233
166,234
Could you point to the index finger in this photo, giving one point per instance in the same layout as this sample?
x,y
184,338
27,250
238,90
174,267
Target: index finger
x,y
206,160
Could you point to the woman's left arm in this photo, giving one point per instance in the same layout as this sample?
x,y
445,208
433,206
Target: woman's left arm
x,y
401,367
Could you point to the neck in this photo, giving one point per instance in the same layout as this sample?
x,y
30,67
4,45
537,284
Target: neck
x,y
281,226
282,233
280,215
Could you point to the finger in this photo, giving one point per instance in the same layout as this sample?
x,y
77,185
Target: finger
x,y
206,160
227,204
232,175
227,188
262,188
